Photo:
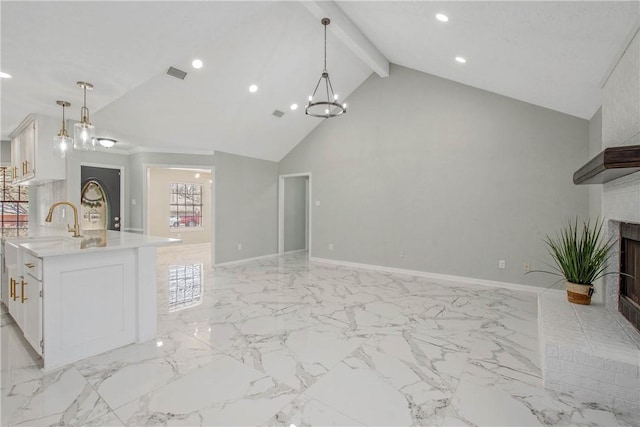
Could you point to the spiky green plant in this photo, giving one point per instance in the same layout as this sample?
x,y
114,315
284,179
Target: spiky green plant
x,y
580,254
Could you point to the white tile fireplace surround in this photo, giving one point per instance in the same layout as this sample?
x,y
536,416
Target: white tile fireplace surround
x,y
589,351
286,341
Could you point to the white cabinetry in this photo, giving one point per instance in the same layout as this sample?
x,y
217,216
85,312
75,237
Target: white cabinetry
x,y
16,304
81,302
32,157
32,323
25,297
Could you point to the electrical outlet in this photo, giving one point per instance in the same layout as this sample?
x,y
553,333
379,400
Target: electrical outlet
x,y
526,266
239,246
330,246
502,264
401,254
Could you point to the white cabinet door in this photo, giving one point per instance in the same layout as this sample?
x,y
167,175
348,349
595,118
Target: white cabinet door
x,y
23,150
16,302
32,158
28,151
15,159
4,280
32,327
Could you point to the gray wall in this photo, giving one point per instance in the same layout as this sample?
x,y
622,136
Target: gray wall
x,y
428,174
295,213
5,153
246,207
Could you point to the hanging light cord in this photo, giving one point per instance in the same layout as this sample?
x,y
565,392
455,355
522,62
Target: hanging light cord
x,y
84,111
63,132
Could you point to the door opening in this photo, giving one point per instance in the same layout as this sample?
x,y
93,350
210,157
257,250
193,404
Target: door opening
x,y
106,183
294,213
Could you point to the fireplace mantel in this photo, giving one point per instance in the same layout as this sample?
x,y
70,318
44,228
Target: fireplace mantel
x,y
610,164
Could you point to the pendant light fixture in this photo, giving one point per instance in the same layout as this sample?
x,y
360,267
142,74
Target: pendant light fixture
x,y
84,133
106,142
325,107
62,143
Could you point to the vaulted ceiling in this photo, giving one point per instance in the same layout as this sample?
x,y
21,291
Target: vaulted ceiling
x,y
552,54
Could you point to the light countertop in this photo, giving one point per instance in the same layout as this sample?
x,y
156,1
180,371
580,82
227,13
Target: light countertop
x,y
47,244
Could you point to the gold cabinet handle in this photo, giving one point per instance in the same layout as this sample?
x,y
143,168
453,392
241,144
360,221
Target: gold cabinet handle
x,y
15,292
29,265
26,167
11,289
15,172
22,289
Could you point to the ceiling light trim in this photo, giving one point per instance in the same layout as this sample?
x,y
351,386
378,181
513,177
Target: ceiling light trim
x,y
106,142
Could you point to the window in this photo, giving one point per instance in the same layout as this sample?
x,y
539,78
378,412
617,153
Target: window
x,y
14,206
185,205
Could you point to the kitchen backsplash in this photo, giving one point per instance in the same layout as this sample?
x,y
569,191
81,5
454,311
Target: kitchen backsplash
x,y
45,195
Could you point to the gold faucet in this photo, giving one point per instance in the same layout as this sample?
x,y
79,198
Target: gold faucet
x,y
76,227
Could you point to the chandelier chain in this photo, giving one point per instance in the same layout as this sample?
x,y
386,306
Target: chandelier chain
x,y
325,47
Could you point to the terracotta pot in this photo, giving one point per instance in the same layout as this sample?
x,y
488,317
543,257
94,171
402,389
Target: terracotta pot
x,y
579,294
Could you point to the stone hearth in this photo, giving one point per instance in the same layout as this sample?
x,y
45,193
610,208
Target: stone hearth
x,y
589,351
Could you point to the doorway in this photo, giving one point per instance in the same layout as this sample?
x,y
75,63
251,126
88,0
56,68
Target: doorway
x,y
294,213
109,182
178,203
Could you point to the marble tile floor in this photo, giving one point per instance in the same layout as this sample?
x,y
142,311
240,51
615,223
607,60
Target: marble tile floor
x,y
285,341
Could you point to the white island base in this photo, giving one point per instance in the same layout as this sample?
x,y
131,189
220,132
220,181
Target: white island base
x,y
97,301
92,300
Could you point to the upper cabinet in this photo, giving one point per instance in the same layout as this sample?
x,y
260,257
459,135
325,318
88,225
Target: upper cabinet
x,y
32,158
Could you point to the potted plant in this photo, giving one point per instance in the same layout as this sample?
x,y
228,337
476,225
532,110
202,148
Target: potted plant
x,y
580,255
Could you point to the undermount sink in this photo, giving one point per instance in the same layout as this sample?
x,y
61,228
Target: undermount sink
x,y
12,245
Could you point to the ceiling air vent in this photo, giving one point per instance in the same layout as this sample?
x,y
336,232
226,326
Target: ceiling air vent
x,y
278,113
174,72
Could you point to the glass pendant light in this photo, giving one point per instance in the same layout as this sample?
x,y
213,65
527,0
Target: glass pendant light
x,y
62,143
327,105
84,133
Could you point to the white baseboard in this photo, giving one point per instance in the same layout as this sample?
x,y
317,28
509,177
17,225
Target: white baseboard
x,y
436,276
240,261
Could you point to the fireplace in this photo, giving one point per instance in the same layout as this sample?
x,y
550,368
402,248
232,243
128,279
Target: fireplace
x,y
629,300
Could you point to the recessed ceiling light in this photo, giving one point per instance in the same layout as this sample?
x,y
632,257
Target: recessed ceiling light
x,y
4,75
294,106
460,59
197,64
197,175
253,88
442,17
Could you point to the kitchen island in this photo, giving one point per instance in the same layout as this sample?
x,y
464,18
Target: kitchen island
x,y
77,297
